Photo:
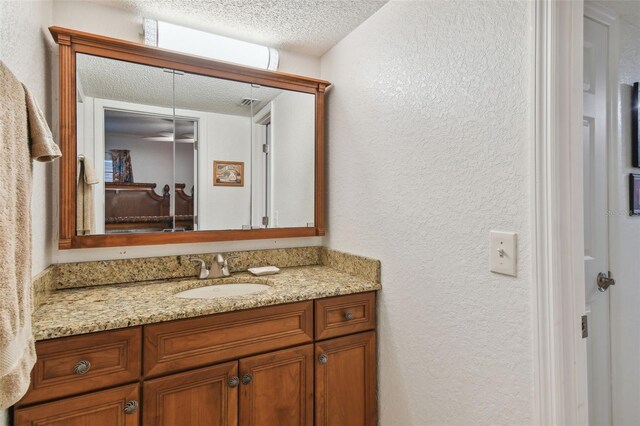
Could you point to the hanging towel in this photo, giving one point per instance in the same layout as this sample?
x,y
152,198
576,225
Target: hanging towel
x,y
24,135
85,216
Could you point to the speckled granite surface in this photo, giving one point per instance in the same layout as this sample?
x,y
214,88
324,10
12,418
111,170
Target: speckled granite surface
x,y
67,312
42,285
361,266
84,274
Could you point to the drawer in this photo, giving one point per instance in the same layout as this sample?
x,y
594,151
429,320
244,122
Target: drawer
x,y
184,344
73,365
117,406
337,316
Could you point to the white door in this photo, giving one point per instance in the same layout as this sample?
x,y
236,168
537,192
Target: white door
x,y
596,235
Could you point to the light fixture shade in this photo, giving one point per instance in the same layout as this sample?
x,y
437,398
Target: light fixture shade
x,y
194,42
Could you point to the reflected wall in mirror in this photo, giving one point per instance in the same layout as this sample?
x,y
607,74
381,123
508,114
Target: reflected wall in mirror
x,y
148,138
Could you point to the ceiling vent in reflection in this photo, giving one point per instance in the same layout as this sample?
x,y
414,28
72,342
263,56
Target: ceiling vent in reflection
x,y
248,102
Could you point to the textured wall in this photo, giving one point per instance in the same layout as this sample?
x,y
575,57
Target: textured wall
x,y
26,49
22,26
429,139
625,297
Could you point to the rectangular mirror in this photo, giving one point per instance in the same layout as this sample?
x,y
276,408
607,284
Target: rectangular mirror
x,y
283,158
125,137
162,147
161,150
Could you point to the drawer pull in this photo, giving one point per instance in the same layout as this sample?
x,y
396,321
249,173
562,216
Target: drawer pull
x,y
247,378
131,407
82,367
234,381
348,316
323,359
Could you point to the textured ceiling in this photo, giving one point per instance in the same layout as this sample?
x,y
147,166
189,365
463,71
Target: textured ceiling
x,y
628,10
128,82
305,26
124,124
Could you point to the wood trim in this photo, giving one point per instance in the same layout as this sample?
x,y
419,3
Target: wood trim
x,y
72,42
189,343
68,162
320,163
140,53
119,240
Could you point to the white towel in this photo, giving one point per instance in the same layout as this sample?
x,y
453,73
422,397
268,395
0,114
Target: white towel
x,y
85,210
24,135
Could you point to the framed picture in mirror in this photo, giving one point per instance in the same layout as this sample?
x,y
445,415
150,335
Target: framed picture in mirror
x,y
228,173
634,195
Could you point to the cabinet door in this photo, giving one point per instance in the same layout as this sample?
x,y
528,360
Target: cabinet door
x,y
110,407
346,381
277,388
204,397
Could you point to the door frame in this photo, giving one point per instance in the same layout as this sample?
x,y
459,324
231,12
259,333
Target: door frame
x,y
560,354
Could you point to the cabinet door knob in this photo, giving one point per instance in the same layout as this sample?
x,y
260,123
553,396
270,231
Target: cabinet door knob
x,y
246,379
82,367
131,407
323,359
348,316
234,381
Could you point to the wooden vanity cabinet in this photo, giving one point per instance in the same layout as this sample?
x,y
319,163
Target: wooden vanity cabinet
x,y
264,366
104,408
277,388
206,396
345,380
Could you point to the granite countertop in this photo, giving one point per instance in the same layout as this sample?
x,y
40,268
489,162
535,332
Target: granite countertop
x,y
67,312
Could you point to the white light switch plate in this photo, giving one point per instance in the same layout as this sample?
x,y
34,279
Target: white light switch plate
x,y
504,252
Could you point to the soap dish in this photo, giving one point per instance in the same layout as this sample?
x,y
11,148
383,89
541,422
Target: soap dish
x,y
264,270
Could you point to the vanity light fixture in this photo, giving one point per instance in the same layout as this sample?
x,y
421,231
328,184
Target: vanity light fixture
x,y
195,42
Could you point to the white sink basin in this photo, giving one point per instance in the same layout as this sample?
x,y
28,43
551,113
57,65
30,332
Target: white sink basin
x,y
222,290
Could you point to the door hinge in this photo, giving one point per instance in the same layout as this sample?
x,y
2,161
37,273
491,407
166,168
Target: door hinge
x,y
195,145
265,220
265,148
585,327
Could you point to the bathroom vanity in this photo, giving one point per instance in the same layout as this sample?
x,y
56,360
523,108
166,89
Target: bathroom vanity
x,y
188,150
302,352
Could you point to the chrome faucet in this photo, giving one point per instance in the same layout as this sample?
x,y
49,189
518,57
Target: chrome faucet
x,y
223,264
204,272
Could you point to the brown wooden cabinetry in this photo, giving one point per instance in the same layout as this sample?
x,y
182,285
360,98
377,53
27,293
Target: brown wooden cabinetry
x,y
207,396
345,391
256,367
184,344
104,408
277,388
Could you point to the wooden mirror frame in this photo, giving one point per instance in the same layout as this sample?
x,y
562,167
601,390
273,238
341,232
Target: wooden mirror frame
x,y
71,42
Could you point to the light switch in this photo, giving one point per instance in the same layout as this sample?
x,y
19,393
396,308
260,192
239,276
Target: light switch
x,y
504,252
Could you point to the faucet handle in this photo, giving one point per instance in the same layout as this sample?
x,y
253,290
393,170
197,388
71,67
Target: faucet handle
x,y
203,264
204,272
